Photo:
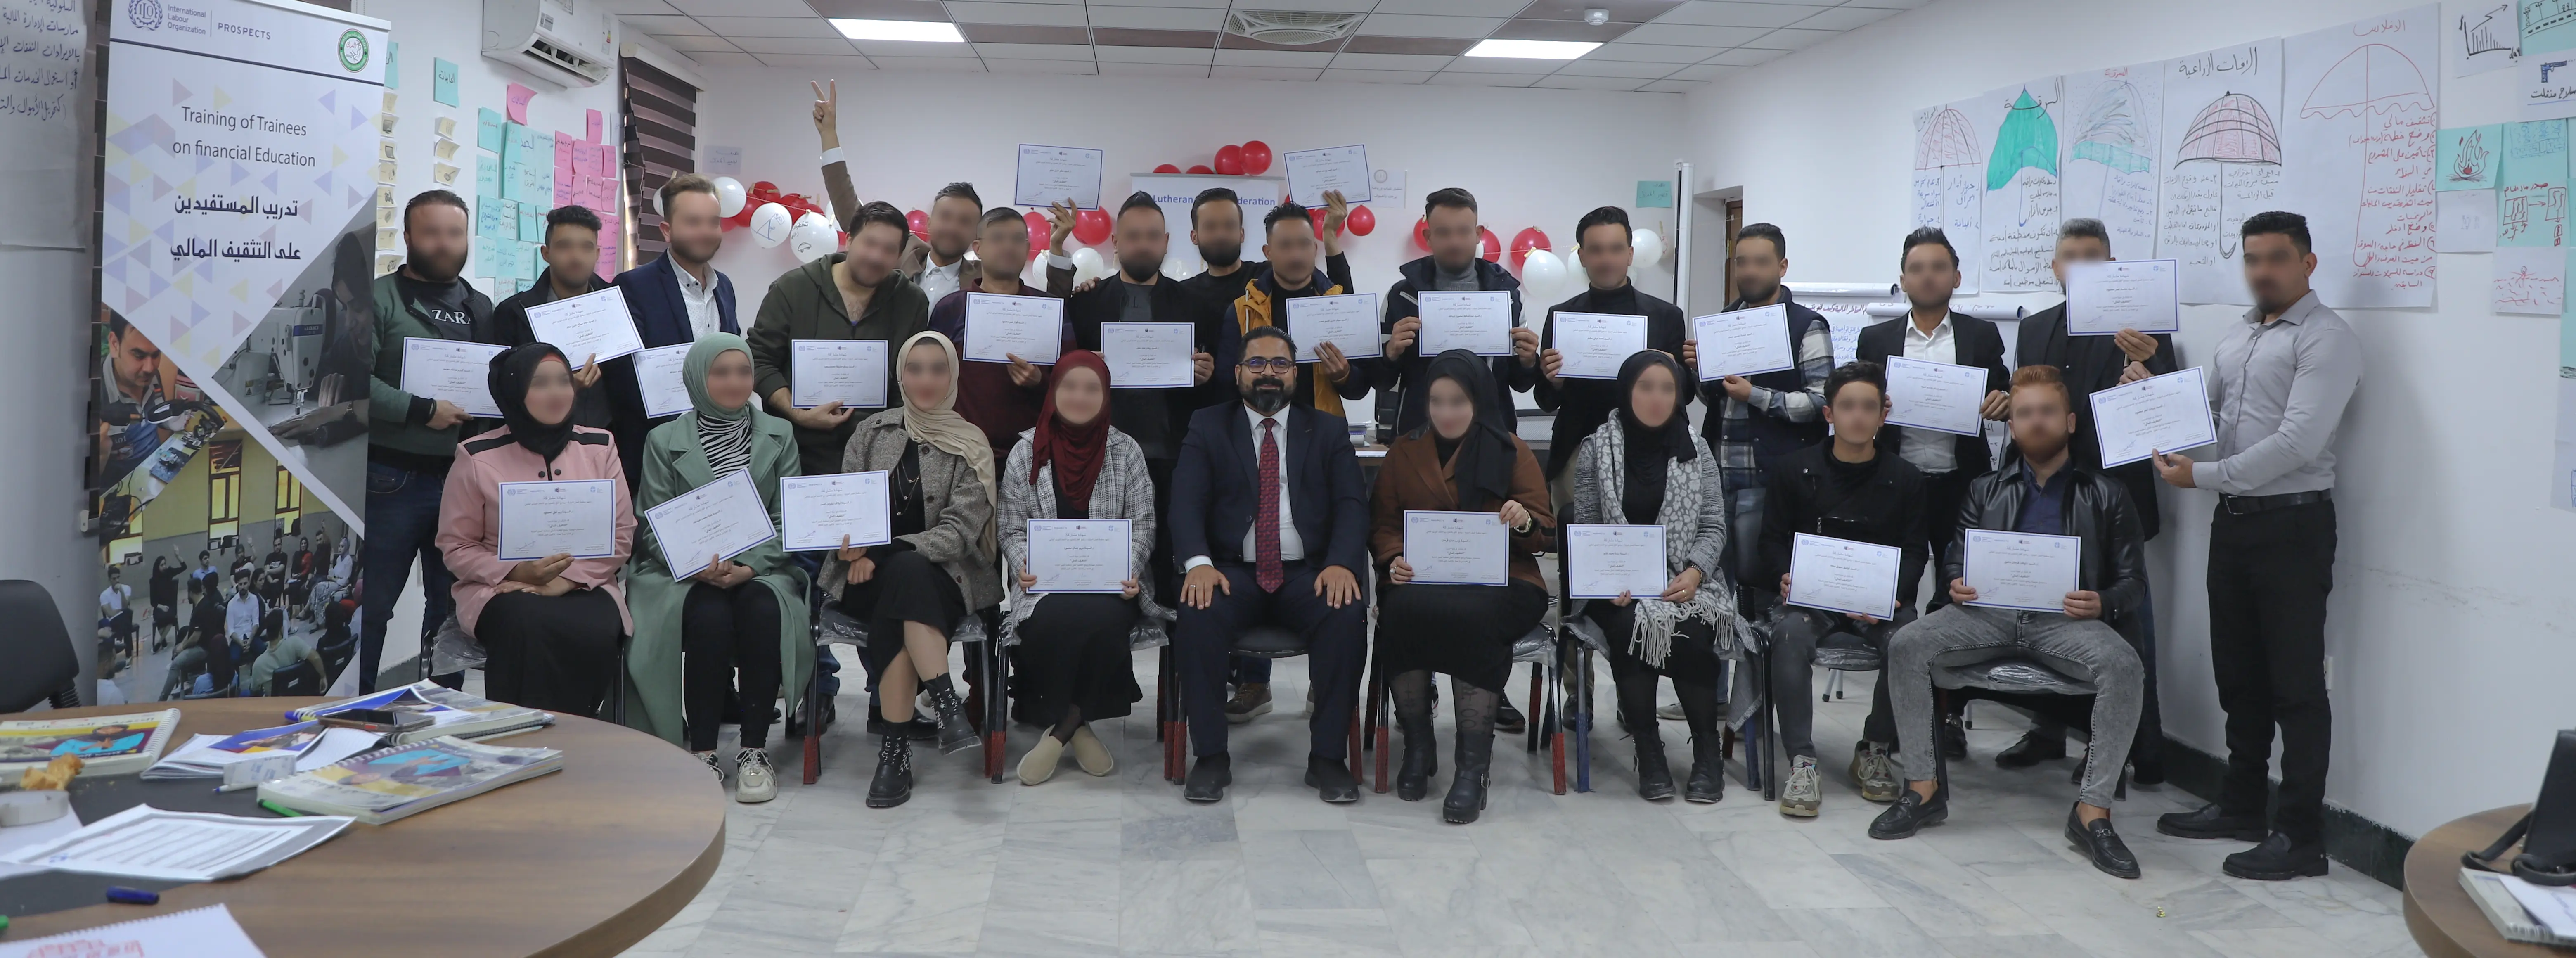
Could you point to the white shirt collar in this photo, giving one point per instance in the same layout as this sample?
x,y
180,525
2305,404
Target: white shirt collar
x,y
689,282
1915,333
1254,418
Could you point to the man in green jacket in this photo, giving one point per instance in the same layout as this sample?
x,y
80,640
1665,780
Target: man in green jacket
x,y
412,439
818,301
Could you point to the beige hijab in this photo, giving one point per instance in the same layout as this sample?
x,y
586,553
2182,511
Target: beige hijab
x,y
940,427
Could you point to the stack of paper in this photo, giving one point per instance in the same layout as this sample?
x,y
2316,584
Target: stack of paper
x,y
454,712
208,932
313,746
146,842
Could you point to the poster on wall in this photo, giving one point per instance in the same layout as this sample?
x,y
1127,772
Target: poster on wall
x,y
2222,154
2111,152
44,54
233,337
2360,132
1174,192
1950,182
2024,194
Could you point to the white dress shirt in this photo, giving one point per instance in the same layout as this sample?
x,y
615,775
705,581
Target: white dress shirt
x,y
939,281
1292,547
1929,450
700,298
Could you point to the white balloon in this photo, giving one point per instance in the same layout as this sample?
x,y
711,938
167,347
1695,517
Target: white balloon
x,y
729,196
769,225
1181,265
812,236
1541,274
1650,248
1088,265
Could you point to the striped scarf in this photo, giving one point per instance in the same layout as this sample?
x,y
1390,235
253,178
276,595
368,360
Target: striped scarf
x,y
727,443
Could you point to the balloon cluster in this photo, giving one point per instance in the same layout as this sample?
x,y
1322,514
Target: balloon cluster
x,y
1248,158
774,217
1546,276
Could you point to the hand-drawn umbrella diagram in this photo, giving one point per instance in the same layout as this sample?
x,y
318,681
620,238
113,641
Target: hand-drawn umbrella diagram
x,y
2232,129
2110,131
1945,144
2026,140
2376,83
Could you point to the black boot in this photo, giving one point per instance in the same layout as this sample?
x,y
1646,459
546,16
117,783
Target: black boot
x,y
1708,770
1654,776
1421,758
1467,790
892,785
955,734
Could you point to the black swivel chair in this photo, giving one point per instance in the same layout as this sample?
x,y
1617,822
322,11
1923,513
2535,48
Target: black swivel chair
x,y
42,664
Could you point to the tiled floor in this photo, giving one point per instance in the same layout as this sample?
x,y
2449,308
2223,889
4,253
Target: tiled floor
x,y
1121,865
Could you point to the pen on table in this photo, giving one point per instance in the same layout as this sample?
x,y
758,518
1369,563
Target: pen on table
x,y
121,895
280,809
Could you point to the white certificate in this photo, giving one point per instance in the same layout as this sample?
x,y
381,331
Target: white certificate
x,y
1053,174
2156,414
2021,570
1937,396
588,325
851,372
1349,322
658,374
817,511
999,327
1311,172
1457,548
1150,355
456,371
1478,322
1746,342
722,518
1080,555
2106,297
1603,561
1839,575
1595,345
539,519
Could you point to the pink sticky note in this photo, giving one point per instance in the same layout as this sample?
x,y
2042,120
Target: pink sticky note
x,y
585,162
596,122
563,150
519,97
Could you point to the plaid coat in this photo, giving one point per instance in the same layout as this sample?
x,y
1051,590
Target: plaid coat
x,y
951,497
1123,491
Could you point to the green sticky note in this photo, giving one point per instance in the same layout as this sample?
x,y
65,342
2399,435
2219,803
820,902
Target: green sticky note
x,y
532,224
532,264
2531,185
490,213
393,57
487,129
1657,194
485,250
487,176
442,86
2466,157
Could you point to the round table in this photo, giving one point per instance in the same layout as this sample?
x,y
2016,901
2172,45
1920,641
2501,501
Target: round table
x,y
585,861
2445,923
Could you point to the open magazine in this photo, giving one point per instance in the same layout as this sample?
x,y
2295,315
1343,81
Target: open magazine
x,y
456,713
313,745
390,783
106,744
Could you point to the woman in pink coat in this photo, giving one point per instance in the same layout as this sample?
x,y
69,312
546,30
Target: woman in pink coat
x,y
550,626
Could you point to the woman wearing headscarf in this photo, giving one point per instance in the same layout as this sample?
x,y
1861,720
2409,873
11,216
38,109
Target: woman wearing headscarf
x,y
746,614
1463,460
1646,467
549,626
915,592
1071,648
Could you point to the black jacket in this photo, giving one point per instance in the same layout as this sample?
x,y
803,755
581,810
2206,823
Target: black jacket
x,y
1155,418
1976,342
1411,370
2097,512
1582,405
1215,488
1773,438
590,407
1886,510
2092,364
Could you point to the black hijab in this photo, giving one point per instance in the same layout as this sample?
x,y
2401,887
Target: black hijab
x,y
512,372
1672,440
1482,468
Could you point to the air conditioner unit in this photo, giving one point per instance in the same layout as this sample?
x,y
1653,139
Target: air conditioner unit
x,y
565,42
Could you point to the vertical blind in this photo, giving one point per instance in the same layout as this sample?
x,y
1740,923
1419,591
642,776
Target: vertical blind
x,y
659,141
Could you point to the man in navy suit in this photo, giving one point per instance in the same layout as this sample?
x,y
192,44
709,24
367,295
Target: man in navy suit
x,y
673,299
1268,505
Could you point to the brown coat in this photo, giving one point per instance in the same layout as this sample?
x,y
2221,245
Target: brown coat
x,y
1413,477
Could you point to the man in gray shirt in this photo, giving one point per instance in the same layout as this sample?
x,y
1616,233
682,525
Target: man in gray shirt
x,y
2278,382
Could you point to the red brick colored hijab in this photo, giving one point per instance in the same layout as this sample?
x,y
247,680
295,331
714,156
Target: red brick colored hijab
x,y
1076,451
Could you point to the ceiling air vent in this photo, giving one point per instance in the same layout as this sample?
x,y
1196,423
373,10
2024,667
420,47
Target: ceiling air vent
x,y
1294,28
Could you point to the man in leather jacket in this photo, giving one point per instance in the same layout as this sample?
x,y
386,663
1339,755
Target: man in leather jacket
x,y
2045,494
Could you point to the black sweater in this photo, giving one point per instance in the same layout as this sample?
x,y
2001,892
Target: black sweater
x,y
1878,502
1582,405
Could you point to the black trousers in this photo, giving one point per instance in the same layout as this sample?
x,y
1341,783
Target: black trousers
x,y
905,588
2269,573
1336,650
554,653
1073,654
722,630
1942,494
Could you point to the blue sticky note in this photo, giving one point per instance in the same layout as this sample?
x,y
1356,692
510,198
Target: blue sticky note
x,y
2466,157
531,263
2548,26
2531,185
442,87
487,176
393,58
527,165
490,213
484,253
1657,194
487,129
532,223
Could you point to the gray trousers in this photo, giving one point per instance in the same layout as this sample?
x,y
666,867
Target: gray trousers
x,y
1792,658
2081,648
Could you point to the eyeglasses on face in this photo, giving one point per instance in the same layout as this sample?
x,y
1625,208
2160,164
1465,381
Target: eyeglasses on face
x,y
1276,364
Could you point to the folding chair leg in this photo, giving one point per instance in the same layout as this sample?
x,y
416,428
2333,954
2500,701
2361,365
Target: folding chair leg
x,y
1555,716
1376,731
1583,722
617,688
814,726
1538,671
997,735
1175,719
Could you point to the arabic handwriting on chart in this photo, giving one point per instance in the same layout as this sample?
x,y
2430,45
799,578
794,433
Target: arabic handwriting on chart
x,y
246,206
41,57
199,248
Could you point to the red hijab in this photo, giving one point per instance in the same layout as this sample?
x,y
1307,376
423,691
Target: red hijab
x,y
1076,451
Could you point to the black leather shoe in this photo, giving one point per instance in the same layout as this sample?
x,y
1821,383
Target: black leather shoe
x,y
1208,778
2209,822
2034,748
2098,842
955,733
892,785
1707,784
2276,860
1421,761
1331,779
1654,775
1954,739
1910,814
1509,720
1466,798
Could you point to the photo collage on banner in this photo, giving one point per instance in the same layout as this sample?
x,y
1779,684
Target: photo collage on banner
x,y
233,337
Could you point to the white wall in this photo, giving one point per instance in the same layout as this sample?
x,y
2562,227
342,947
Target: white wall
x,y
46,375
906,135
2450,625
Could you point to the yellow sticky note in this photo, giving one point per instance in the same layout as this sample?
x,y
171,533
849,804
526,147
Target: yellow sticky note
x,y
444,173
447,127
446,149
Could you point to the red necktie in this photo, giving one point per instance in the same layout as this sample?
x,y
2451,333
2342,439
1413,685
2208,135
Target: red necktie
x,y
1265,519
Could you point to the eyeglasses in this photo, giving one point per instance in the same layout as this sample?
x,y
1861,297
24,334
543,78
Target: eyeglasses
x,y
1278,364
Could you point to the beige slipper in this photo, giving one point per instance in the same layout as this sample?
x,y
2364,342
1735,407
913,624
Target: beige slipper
x,y
1091,753
1039,764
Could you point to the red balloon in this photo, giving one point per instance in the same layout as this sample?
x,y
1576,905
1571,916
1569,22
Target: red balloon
x,y
1422,234
1317,214
1493,247
1529,238
1167,168
919,222
1256,157
1091,226
1362,221
1041,230
1201,169
1229,160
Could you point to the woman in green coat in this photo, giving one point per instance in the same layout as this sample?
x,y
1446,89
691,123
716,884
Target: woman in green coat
x,y
748,613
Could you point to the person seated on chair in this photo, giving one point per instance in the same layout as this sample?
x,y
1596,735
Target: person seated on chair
x,y
2044,493
283,653
914,592
1646,466
743,614
1841,488
550,626
1464,459
1268,506
200,646
1071,648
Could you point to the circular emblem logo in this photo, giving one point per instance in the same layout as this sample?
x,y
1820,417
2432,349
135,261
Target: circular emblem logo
x,y
144,14
353,49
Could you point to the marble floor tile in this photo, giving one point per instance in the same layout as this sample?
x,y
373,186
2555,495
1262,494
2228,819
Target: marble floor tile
x,y
1309,932
1045,933
1298,870
1190,907
2288,942
1790,872
1936,894
1444,906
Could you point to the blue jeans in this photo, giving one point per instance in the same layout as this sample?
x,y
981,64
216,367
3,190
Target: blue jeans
x,y
402,524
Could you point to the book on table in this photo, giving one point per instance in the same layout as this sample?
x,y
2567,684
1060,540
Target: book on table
x,y
105,744
402,780
2503,899
312,743
452,712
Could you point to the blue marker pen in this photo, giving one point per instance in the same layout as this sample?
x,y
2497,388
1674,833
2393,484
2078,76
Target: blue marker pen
x,y
118,894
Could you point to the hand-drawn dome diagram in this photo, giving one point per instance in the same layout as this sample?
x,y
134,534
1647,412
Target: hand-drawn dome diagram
x,y
1946,142
2027,140
2374,84
2232,130
2112,131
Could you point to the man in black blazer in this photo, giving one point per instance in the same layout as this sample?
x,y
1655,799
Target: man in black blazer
x,y
671,299
1933,333
1269,510
1582,405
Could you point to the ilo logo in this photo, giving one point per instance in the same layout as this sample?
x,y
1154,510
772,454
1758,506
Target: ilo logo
x,y
144,14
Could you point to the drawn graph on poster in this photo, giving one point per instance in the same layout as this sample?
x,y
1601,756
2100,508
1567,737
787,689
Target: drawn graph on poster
x,y
2223,162
2025,196
2487,38
2362,142
1948,189
2111,161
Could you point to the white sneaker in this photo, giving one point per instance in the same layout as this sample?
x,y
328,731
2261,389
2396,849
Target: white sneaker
x,y
1672,713
1040,762
1805,790
715,765
1091,753
754,781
